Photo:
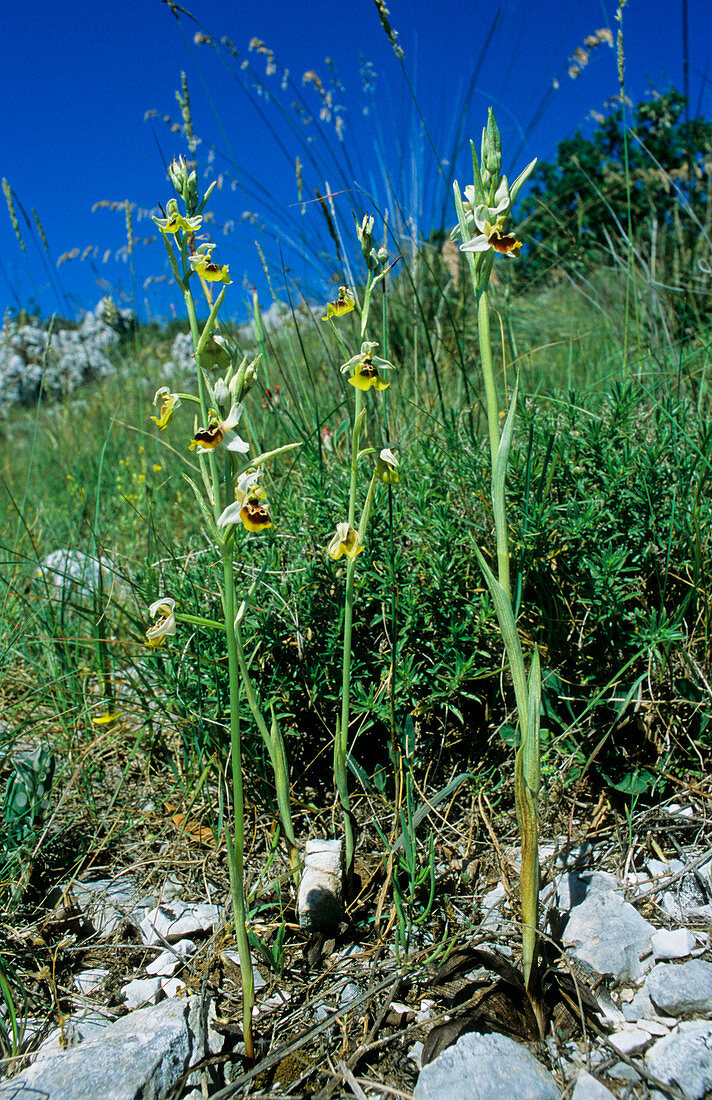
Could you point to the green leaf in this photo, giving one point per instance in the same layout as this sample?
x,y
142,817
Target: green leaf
x,y
480,193
532,754
509,735
209,520
500,467
266,456
505,618
635,782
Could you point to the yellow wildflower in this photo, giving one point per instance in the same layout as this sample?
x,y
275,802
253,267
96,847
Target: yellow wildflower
x,y
169,403
345,541
343,304
365,367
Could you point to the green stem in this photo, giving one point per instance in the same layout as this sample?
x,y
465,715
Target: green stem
x,y
211,482
236,851
500,516
342,734
483,331
278,757
341,738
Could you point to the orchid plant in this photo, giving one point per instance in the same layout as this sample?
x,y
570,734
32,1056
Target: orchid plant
x,y
483,231
235,509
365,371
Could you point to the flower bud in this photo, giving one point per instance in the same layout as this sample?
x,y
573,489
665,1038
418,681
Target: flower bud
x,y
484,171
190,194
178,174
221,394
185,183
492,150
244,379
364,232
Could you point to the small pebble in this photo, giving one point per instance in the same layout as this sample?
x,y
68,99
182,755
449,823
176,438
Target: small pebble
x,y
588,1088
675,944
88,981
630,1039
142,991
172,986
168,962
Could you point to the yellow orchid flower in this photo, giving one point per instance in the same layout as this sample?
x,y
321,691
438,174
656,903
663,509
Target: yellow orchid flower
x,y
169,403
489,221
345,541
491,235
250,506
365,367
255,514
387,467
343,304
174,222
220,431
203,266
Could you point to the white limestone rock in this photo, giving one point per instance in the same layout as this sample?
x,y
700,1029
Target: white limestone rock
x,y
629,1039
172,987
672,944
168,962
609,935
588,1088
84,1026
141,992
684,1058
680,989
88,981
176,920
320,901
106,903
142,1054
485,1067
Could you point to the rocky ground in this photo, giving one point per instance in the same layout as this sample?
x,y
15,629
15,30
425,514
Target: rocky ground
x,y
56,360
142,988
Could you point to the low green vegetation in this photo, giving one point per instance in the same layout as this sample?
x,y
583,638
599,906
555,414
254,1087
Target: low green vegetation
x,y
373,658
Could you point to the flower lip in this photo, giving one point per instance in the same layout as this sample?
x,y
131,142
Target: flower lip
x,y
220,431
255,514
506,244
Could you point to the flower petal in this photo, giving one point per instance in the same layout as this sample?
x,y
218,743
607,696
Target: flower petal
x,y
231,514
477,244
236,443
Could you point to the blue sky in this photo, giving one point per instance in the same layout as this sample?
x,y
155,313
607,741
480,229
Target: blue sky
x,y
78,79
